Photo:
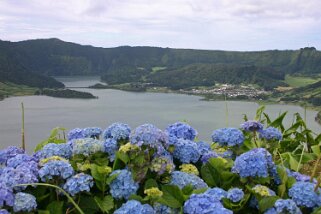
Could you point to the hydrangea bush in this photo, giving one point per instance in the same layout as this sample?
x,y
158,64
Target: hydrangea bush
x,y
121,170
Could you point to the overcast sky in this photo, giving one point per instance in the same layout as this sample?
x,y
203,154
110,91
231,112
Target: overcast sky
x,y
198,24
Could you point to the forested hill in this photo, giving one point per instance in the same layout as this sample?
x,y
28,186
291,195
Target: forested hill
x,y
161,66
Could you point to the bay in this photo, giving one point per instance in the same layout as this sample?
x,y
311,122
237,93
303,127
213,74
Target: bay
x,y
44,113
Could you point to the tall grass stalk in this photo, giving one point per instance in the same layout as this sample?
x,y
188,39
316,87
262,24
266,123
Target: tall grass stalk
x,y
23,143
226,111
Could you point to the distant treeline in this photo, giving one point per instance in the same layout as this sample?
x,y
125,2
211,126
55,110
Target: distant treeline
x,y
65,93
182,67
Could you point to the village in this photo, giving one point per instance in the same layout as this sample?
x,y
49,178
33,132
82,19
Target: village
x,y
228,90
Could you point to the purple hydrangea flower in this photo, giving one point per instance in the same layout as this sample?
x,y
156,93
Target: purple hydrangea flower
x,y
180,130
124,185
186,151
52,149
256,162
24,202
228,137
133,207
24,161
303,194
9,152
217,193
92,132
52,169
76,133
271,133
117,131
300,177
148,135
14,176
78,183
3,211
6,195
204,203
252,126
182,179
235,194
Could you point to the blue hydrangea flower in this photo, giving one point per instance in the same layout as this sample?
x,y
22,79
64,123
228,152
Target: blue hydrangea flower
x,y
303,194
135,207
111,147
300,177
286,206
203,147
55,168
87,146
217,193
163,209
271,133
117,131
24,202
204,203
3,211
148,135
182,179
6,195
228,137
252,126
256,162
180,130
52,149
235,194
272,210
92,132
9,152
78,183
206,156
186,151
14,176
76,133
124,185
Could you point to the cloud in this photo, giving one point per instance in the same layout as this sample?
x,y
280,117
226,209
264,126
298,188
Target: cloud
x,y
206,24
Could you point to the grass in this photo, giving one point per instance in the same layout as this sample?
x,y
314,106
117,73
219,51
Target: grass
x,y
295,81
155,69
11,89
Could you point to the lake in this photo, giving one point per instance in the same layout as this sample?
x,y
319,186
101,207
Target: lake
x,y
44,113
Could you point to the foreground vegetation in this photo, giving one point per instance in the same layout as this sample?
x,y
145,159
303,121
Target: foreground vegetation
x,y
256,169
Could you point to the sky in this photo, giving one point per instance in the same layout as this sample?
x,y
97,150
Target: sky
x,y
240,25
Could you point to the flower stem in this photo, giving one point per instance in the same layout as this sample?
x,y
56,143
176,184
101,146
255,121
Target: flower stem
x,y
60,189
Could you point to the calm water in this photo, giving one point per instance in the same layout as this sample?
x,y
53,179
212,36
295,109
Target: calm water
x,y
45,113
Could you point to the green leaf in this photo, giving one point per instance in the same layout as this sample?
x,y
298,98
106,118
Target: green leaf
x,y
136,197
122,156
278,122
43,212
88,204
188,189
111,178
150,183
172,196
259,112
209,175
267,202
105,204
55,207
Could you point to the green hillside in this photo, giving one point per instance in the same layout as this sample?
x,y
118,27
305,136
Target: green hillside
x,y
179,67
